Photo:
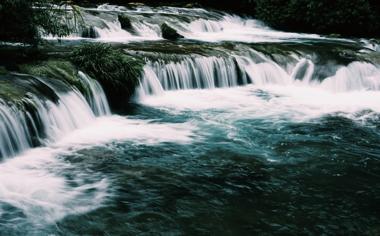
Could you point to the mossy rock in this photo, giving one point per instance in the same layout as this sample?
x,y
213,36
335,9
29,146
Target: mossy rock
x,y
169,33
118,73
54,69
10,92
17,88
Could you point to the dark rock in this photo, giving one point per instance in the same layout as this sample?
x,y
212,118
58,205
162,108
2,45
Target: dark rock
x,y
125,22
169,33
3,70
89,32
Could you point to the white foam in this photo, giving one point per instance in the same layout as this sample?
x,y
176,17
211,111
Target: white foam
x,y
32,181
235,28
116,128
194,24
28,182
295,102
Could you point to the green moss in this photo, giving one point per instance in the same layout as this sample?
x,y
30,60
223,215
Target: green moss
x,y
11,93
117,72
54,69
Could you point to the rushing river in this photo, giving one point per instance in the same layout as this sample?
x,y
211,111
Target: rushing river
x,y
236,129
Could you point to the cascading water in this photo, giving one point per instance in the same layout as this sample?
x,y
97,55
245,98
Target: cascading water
x,y
14,135
233,116
192,73
219,72
193,24
50,120
96,96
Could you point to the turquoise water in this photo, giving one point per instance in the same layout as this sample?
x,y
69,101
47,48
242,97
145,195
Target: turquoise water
x,y
216,168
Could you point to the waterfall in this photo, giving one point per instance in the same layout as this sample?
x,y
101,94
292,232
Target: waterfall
x,y
150,83
195,24
48,121
14,134
356,76
96,96
191,73
201,72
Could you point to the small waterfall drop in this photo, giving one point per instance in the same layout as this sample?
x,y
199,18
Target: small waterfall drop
x,y
221,72
191,73
14,134
356,76
150,83
303,71
96,95
21,129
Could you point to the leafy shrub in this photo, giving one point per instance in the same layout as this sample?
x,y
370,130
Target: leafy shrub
x,y
21,19
16,21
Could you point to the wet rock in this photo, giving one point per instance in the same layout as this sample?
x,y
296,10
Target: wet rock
x,y
125,22
169,33
89,32
192,5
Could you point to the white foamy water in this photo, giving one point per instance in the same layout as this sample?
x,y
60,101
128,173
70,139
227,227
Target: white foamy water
x,y
29,184
32,182
52,119
35,181
193,24
268,89
200,72
238,29
292,102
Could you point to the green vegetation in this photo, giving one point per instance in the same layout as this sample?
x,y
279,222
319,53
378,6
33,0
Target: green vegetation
x,y
21,19
117,72
54,69
9,91
348,18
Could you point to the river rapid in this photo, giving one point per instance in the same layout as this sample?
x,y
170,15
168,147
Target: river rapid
x,y
236,129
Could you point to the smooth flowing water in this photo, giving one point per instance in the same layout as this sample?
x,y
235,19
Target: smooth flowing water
x,y
224,138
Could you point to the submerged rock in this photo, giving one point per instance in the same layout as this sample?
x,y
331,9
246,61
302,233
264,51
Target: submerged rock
x,y
169,33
